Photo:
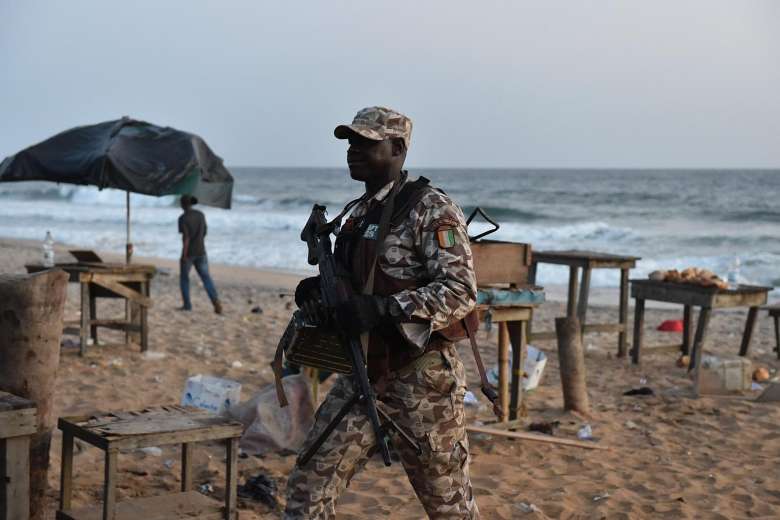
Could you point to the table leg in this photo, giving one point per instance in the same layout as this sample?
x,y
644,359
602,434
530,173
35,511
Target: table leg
x,y
623,313
582,305
186,466
66,472
687,330
750,326
503,369
15,472
93,313
231,479
698,345
777,335
639,329
144,319
84,329
571,304
109,489
517,336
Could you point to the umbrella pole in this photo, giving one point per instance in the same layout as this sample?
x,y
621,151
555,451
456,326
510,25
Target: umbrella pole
x,y
128,245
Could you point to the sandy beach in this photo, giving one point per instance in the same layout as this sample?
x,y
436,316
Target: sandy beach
x,y
670,456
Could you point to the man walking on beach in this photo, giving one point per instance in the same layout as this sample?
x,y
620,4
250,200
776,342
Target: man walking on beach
x,y
192,226
419,283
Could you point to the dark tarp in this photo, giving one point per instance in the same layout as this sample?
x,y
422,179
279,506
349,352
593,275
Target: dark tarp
x,y
127,155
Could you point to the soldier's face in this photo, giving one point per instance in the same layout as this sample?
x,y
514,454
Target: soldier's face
x,y
367,158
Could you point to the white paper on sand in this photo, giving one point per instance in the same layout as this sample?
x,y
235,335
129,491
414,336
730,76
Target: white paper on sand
x,y
535,361
214,394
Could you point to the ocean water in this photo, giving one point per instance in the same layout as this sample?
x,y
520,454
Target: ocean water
x,y
670,218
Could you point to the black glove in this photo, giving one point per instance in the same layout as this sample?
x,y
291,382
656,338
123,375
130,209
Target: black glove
x,y
363,312
307,289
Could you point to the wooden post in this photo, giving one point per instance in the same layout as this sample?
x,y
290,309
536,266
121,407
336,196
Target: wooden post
x,y
518,338
186,466
109,485
503,369
639,330
31,313
66,472
571,303
572,365
231,479
623,312
84,329
698,346
750,325
687,330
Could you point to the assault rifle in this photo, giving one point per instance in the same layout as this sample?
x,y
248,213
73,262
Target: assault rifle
x,y
336,290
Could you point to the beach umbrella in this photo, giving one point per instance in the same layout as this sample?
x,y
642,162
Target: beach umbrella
x,y
129,155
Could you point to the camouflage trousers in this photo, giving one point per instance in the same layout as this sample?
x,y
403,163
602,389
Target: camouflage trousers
x,y
426,400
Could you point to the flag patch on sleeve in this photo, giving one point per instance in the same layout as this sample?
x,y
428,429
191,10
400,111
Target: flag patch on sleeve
x,y
446,237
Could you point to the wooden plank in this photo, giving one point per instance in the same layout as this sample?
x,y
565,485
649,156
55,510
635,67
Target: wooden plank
x,y
513,313
639,330
164,507
84,327
750,325
15,423
501,262
186,466
15,478
66,471
670,347
109,485
231,479
117,324
537,438
684,294
14,402
622,313
581,258
517,337
604,327
123,290
740,299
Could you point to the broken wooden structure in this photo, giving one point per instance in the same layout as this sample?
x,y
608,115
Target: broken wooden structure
x,y
157,426
504,267
110,280
577,305
18,422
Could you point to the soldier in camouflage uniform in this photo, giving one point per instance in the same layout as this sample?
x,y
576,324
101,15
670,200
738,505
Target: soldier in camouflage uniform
x,y
424,283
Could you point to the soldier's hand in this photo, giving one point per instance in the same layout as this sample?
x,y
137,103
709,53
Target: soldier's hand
x,y
364,312
314,312
307,289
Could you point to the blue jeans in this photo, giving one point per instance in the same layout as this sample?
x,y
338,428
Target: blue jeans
x,y
202,267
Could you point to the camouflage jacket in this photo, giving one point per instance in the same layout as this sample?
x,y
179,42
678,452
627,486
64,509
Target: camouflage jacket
x,y
430,246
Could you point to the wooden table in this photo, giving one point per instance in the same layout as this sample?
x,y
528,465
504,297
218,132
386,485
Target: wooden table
x,y
689,296
18,421
774,313
156,426
109,280
587,261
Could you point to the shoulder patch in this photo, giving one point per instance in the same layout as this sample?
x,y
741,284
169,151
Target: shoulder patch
x,y
442,222
446,237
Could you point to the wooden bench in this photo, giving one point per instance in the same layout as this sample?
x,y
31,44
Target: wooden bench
x,y
18,421
156,426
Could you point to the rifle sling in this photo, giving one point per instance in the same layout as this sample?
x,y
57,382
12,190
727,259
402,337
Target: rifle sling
x,y
487,389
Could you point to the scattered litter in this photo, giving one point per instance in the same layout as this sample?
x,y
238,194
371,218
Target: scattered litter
x,y
168,463
116,362
585,433
236,364
154,451
260,488
138,472
158,379
548,428
152,355
642,380
644,390
470,399
257,310
93,365
761,374
69,343
683,361
631,425
528,508
602,496
671,326
211,393
206,488
756,386
535,361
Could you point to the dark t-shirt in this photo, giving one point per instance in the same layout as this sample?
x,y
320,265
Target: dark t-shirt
x,y
193,223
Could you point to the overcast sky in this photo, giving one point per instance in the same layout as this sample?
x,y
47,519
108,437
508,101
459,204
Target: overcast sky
x,y
487,83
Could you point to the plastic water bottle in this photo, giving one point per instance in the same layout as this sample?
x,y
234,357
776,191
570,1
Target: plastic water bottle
x,y
48,250
733,276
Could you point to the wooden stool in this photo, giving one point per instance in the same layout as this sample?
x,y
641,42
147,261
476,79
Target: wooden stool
x,y
774,313
156,426
18,420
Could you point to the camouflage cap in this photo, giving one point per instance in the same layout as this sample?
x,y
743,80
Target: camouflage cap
x,y
377,124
